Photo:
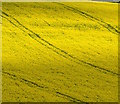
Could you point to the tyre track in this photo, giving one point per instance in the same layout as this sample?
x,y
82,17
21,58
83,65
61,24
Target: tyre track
x,y
47,23
29,83
71,98
88,16
33,84
50,46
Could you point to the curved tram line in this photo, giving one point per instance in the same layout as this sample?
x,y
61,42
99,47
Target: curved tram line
x,y
86,15
34,84
47,44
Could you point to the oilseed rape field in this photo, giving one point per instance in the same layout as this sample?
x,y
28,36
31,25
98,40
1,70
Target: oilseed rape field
x,y
59,52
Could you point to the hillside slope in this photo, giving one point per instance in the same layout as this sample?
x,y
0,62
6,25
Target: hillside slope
x,y
60,52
